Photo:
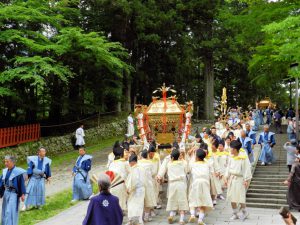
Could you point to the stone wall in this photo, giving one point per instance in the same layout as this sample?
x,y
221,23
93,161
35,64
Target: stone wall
x,y
61,144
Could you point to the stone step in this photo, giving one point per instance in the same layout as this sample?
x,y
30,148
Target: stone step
x,y
266,195
276,169
276,182
281,165
267,173
267,191
272,186
265,205
271,177
266,201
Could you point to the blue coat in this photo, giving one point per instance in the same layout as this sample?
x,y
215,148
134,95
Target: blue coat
x,y
104,209
251,134
247,145
38,169
12,186
267,140
82,188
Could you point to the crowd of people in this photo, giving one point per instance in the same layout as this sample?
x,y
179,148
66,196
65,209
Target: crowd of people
x,y
197,172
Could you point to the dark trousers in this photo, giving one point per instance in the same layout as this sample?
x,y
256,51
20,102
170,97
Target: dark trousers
x,y
290,168
278,126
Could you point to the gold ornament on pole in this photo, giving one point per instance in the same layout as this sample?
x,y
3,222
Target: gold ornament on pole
x,y
224,102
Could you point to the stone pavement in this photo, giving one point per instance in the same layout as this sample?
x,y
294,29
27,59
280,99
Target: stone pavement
x,y
219,216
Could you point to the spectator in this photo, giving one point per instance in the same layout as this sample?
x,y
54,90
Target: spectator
x,y
293,182
130,126
104,209
277,119
80,137
290,113
290,148
290,129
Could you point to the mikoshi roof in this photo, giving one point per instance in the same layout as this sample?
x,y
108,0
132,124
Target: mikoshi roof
x,y
161,107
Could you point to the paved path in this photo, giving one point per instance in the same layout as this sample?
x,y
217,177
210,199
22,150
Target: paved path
x,y
220,216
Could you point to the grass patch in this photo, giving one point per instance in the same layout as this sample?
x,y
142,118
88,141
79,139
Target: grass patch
x,y
60,201
54,205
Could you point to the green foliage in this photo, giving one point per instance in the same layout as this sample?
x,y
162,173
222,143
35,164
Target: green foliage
x,y
43,51
280,49
71,58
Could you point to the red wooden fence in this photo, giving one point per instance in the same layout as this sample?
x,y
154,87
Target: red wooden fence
x,y
16,135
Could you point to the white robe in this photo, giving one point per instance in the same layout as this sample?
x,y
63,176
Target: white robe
x,y
156,166
121,167
223,163
177,188
238,171
79,134
150,189
199,194
215,182
135,184
130,131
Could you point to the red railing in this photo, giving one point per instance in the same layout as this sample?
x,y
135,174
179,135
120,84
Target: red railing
x,y
16,135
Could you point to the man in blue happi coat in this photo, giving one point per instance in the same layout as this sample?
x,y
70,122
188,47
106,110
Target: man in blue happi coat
x,y
247,145
251,134
269,114
82,188
267,141
12,188
104,209
255,117
38,172
261,117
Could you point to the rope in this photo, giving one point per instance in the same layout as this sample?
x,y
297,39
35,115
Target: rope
x,y
70,123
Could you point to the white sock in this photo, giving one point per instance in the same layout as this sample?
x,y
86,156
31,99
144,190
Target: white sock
x,y
235,211
192,212
141,220
201,217
172,213
181,217
244,210
146,214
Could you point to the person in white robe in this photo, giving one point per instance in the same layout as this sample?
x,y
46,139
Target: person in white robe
x,y
237,131
120,166
135,186
216,185
226,131
238,176
130,122
150,193
154,157
79,134
223,156
177,185
199,195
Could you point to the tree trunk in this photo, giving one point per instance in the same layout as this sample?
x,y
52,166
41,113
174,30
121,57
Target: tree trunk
x,y
127,90
209,86
55,104
31,108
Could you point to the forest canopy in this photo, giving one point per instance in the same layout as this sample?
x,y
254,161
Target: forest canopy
x,y
61,60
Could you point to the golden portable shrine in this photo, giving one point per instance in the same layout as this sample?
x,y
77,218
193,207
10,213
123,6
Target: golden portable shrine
x,y
164,118
265,103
